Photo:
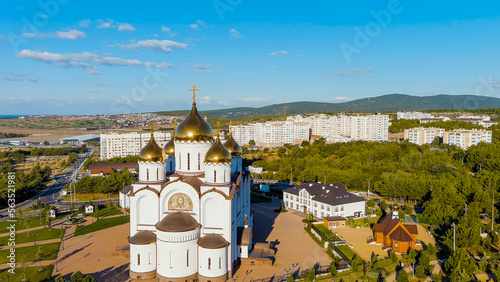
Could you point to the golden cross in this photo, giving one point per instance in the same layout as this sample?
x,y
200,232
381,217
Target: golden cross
x,y
218,127
152,127
194,92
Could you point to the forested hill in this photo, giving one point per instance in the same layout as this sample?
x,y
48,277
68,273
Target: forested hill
x,y
391,102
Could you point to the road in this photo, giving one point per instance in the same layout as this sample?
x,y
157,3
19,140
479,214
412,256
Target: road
x,y
52,193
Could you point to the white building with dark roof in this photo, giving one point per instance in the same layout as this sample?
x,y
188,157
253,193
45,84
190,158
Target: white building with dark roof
x,y
324,200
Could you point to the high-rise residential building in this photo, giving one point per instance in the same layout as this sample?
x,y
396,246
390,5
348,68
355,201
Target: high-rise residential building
x,y
413,115
296,129
128,144
422,135
467,138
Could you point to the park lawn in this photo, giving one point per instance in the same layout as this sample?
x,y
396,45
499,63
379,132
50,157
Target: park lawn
x,y
361,222
101,224
32,273
49,251
347,251
33,222
103,212
328,234
41,235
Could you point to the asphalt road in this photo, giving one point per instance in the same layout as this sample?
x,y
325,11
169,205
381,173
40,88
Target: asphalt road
x,y
52,193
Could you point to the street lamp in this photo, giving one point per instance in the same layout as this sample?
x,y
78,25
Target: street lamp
x,y
453,224
23,262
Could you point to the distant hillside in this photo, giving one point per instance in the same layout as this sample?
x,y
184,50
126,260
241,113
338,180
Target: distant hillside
x,y
385,103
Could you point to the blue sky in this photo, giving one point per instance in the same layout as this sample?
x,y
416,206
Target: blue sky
x,y
101,57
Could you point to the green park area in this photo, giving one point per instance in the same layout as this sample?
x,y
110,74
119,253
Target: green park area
x,y
38,235
49,253
101,224
34,274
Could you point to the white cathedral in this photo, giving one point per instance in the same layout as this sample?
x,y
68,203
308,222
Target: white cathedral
x,y
190,213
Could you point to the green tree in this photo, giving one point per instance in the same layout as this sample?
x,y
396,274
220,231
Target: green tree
x,y
311,275
333,269
393,256
60,279
251,143
89,278
40,256
77,277
420,271
460,265
402,276
383,205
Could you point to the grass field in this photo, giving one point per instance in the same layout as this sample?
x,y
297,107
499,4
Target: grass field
x,y
347,251
32,273
41,235
101,224
328,234
33,222
103,212
49,251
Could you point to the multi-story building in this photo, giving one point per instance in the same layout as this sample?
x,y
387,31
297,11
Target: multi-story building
x,y
324,200
272,134
422,135
466,138
434,119
413,115
128,144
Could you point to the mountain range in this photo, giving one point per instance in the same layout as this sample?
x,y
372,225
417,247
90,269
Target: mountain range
x,y
384,103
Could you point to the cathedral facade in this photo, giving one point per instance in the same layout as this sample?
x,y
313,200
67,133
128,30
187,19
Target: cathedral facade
x,y
190,213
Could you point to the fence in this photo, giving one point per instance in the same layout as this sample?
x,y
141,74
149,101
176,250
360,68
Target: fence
x,y
323,269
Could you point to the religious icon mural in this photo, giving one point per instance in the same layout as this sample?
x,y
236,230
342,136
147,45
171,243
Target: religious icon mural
x,y
180,201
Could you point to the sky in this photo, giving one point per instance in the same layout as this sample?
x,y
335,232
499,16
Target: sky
x,y
115,57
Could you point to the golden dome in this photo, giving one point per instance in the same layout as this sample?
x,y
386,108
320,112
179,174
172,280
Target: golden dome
x,y
169,148
233,147
152,152
395,207
218,154
194,128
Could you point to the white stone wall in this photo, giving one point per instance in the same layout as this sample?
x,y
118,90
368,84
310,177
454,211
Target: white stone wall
x,y
218,173
177,253
152,172
194,152
143,258
212,262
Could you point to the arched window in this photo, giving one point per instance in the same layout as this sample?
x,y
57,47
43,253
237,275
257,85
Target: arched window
x,y
220,262
187,258
199,161
149,258
170,165
215,176
224,175
138,259
180,167
157,173
189,161
209,263
147,173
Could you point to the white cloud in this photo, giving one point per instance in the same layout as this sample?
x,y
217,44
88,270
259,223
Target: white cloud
x,y
84,23
85,60
193,26
71,34
222,68
234,33
165,29
252,99
126,27
354,72
15,76
92,90
155,44
207,100
201,23
202,68
105,25
282,52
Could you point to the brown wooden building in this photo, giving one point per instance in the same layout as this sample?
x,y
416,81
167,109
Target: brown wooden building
x,y
392,233
102,169
334,222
